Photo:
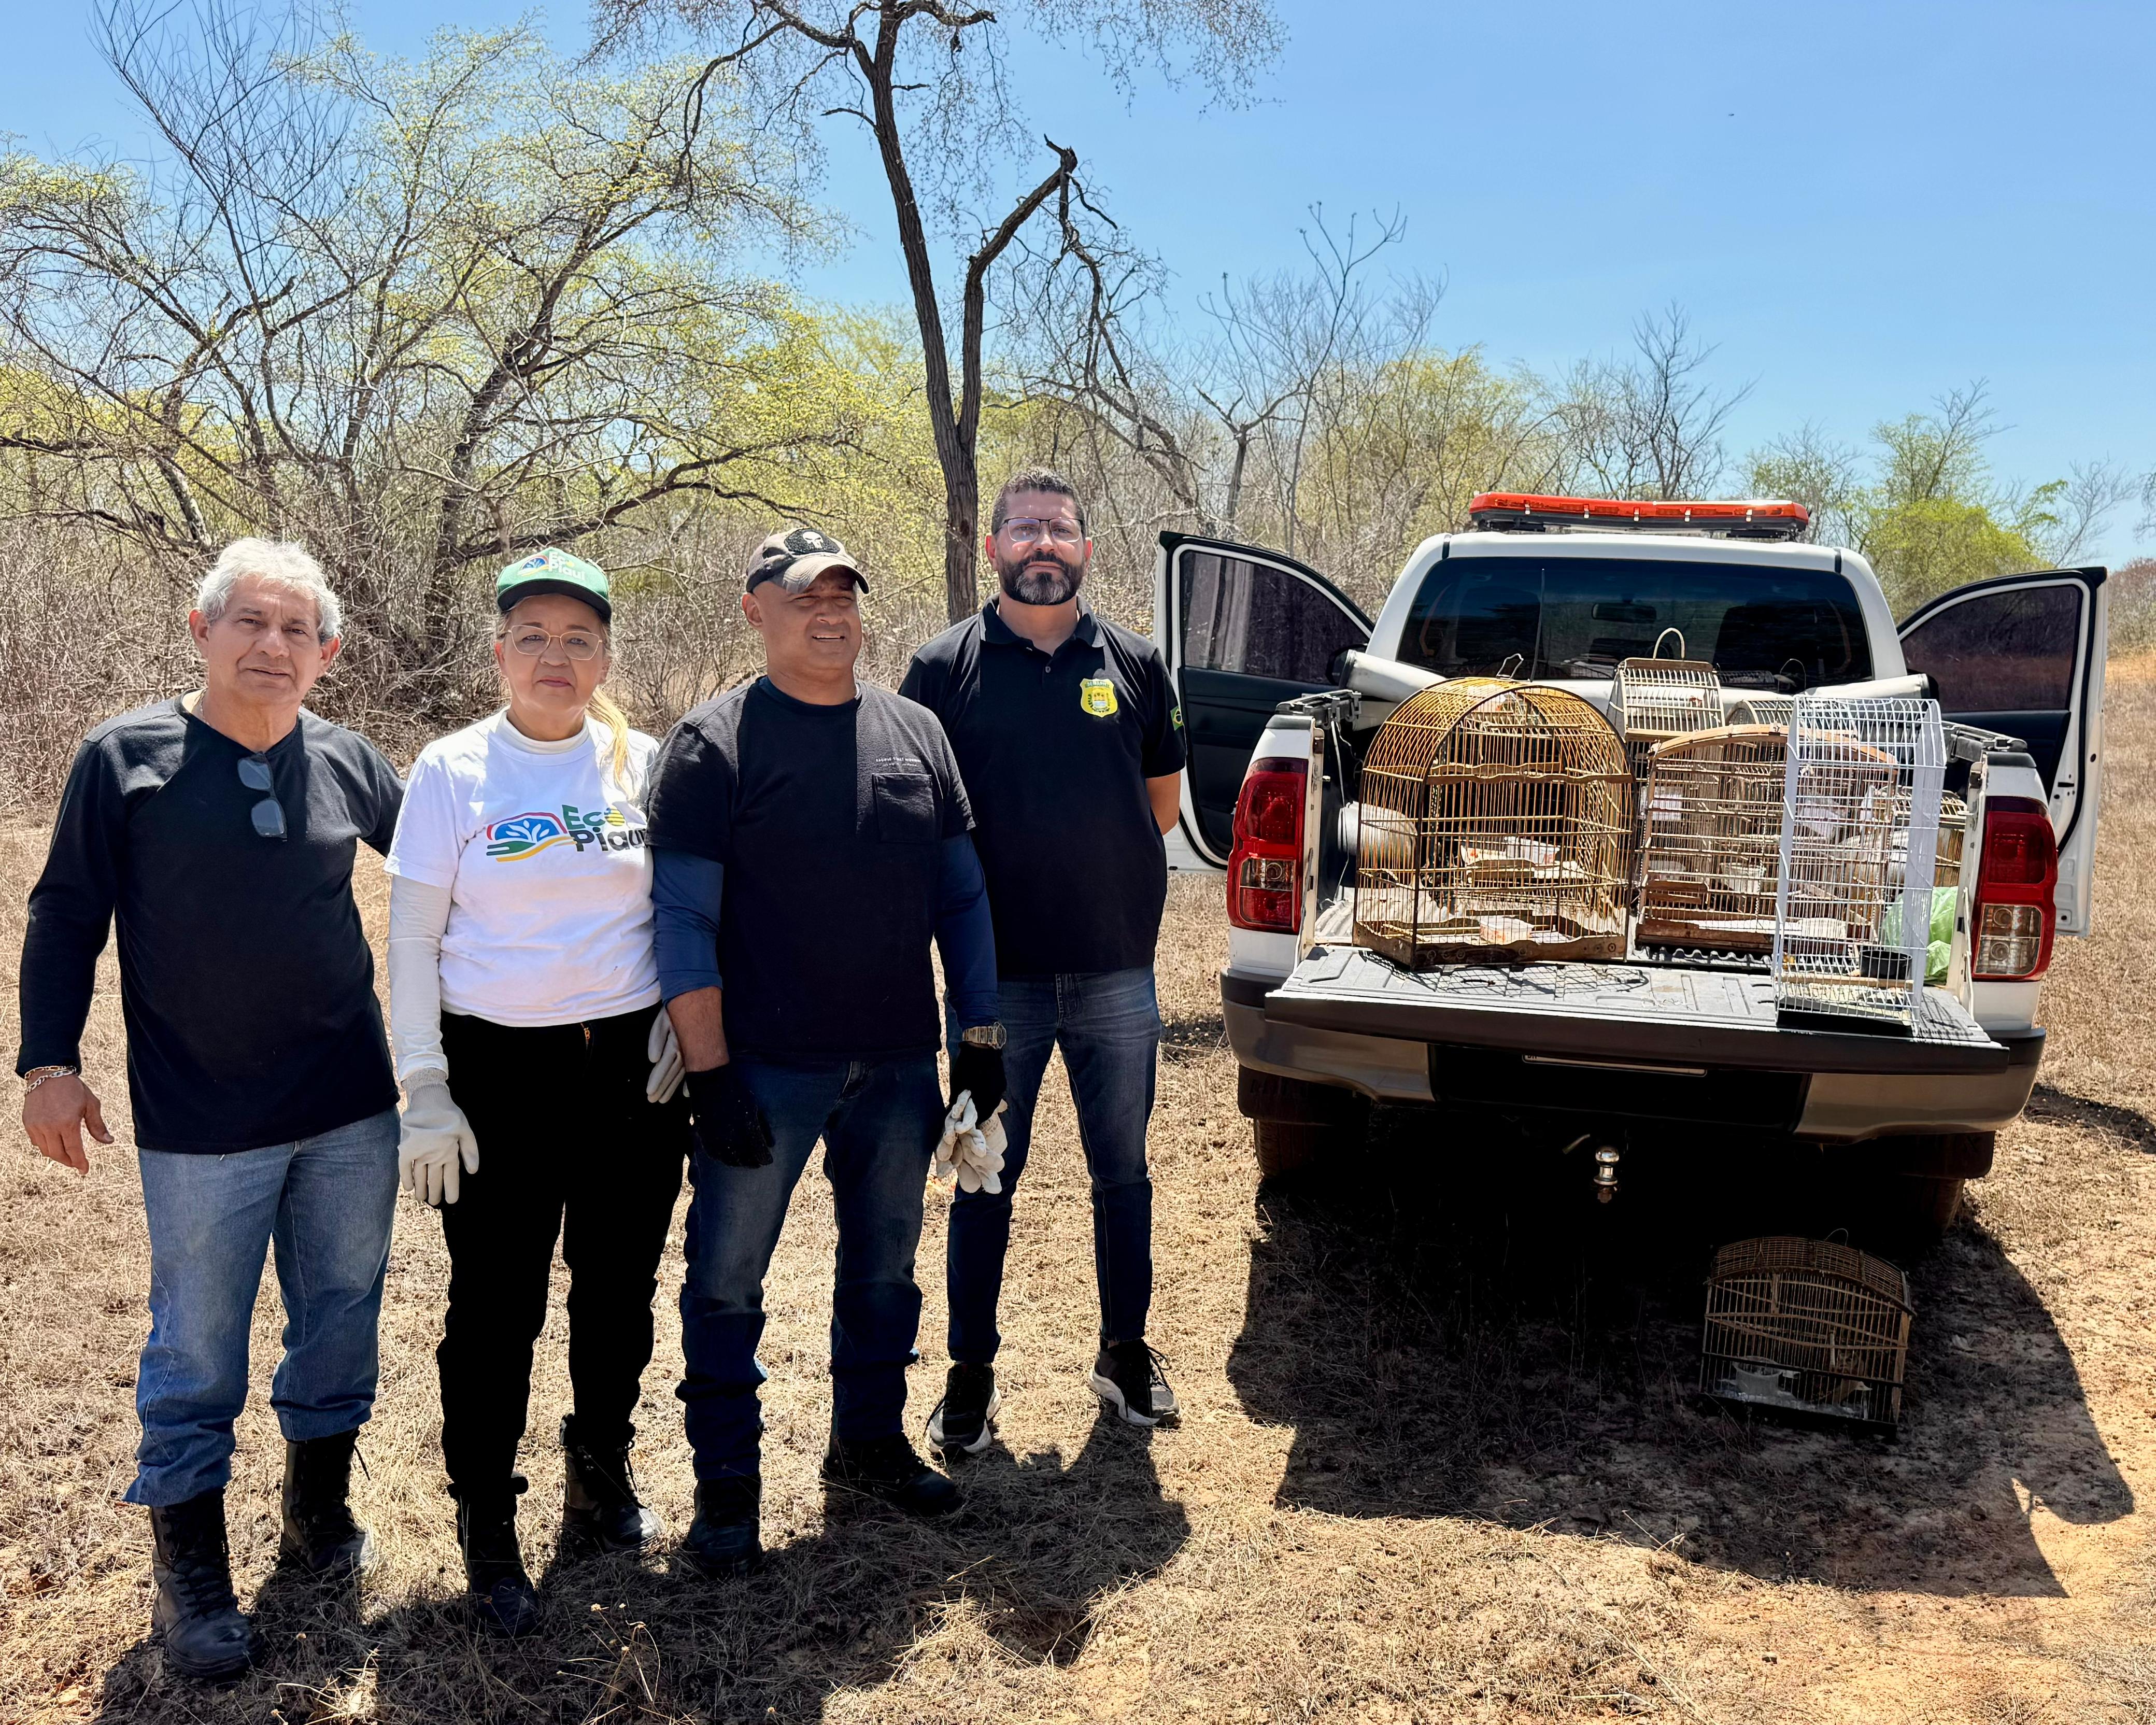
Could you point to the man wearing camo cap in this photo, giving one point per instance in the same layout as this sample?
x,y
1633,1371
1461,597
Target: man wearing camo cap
x,y
809,839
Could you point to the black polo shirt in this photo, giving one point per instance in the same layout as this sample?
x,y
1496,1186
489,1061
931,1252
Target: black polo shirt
x,y
1055,751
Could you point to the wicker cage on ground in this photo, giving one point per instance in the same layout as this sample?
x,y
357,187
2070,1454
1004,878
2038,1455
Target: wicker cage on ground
x,y
1807,1326
1712,839
1658,699
1495,826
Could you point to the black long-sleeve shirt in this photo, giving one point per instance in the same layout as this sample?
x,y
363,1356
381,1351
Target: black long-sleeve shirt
x,y
245,979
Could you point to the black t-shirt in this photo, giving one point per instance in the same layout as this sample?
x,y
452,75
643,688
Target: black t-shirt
x,y
830,821
245,979
1056,751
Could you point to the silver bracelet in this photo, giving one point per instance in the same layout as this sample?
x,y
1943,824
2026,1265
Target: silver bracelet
x,y
44,1075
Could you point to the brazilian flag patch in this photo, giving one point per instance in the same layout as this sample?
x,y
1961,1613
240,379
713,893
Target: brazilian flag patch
x,y
1097,695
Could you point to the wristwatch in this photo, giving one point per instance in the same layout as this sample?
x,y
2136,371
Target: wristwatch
x,y
985,1035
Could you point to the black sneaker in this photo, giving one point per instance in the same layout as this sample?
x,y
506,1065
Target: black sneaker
x,y
725,1539
963,1420
1129,1381
887,1470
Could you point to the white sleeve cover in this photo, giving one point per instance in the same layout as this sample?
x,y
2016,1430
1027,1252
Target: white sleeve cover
x,y
417,916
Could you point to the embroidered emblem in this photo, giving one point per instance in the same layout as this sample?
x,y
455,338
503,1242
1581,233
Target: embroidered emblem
x,y
1097,695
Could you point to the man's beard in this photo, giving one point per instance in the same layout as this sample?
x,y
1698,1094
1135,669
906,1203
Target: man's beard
x,y
1039,579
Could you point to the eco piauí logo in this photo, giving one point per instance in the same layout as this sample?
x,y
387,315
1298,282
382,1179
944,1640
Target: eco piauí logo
x,y
522,836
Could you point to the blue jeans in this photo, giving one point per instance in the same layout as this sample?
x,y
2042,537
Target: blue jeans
x,y
1107,1023
325,1203
879,1121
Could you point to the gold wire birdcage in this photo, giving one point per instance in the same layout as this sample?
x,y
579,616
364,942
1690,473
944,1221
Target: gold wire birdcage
x,y
1658,699
1953,832
1495,826
1807,1326
1711,840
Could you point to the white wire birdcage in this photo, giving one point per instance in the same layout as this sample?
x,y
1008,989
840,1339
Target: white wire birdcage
x,y
1658,699
1860,838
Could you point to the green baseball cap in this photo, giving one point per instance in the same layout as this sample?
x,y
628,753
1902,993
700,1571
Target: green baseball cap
x,y
554,571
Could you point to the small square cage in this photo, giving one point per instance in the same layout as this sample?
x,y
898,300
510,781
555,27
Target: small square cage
x,y
1808,1327
1657,699
1953,833
1496,827
1859,834
1711,841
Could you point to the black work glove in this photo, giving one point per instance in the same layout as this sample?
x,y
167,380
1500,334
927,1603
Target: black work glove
x,y
980,1070
730,1127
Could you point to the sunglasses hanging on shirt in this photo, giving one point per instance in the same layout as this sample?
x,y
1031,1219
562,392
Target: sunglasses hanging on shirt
x,y
269,815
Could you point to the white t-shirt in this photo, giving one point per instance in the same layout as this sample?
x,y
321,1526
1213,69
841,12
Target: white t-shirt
x,y
550,880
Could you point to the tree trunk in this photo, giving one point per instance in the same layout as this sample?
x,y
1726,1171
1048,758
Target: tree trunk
x,y
962,540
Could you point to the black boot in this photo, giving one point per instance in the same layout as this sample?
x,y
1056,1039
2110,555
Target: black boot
x,y
888,1470
205,1636
599,1504
724,1539
494,1567
320,1535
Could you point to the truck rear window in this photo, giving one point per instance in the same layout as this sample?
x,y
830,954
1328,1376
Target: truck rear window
x,y
1761,627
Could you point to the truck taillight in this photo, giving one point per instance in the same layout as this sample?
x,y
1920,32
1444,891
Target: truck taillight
x,y
2016,888
1264,869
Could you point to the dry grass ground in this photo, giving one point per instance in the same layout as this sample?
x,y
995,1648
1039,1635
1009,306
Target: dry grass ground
x,y
1438,1462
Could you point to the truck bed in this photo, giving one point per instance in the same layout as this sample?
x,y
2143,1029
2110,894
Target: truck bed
x,y
1650,1016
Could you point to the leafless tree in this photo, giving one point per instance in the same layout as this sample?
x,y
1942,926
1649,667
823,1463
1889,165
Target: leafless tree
x,y
419,315
927,81
1651,426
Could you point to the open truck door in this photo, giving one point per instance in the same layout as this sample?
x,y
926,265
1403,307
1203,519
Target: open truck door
x,y
2025,654
1242,630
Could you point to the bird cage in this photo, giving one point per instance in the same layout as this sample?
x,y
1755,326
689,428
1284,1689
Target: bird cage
x,y
1954,832
1658,699
1711,842
1859,834
1495,826
1809,1326
1764,710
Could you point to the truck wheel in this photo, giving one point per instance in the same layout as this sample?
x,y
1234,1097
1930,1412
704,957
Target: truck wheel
x,y
1905,1216
1288,1148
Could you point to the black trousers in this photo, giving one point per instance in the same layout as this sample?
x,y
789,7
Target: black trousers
x,y
568,1146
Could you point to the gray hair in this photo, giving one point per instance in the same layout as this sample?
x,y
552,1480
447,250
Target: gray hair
x,y
279,562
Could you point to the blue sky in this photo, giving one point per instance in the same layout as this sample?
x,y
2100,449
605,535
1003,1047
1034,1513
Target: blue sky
x,y
1864,204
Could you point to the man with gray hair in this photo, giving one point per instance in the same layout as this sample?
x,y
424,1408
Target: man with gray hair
x,y
218,830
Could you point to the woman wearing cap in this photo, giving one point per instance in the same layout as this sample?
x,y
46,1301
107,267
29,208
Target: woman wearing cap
x,y
540,1070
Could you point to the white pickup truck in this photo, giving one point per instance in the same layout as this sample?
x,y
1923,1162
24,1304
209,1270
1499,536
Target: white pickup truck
x,y
1283,682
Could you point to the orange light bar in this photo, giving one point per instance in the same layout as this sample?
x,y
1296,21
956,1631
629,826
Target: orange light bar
x,y
1752,518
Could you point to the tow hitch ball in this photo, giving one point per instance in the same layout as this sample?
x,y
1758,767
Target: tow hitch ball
x,y
1605,1168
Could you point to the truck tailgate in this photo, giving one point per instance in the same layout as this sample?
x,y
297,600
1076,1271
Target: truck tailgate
x,y
1652,1015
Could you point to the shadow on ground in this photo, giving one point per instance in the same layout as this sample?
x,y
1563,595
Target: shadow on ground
x,y
1449,1340
1037,1546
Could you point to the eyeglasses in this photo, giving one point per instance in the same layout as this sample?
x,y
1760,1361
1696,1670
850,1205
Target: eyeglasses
x,y
578,644
269,815
1025,530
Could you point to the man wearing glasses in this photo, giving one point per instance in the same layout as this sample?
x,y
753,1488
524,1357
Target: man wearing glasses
x,y
218,830
1069,740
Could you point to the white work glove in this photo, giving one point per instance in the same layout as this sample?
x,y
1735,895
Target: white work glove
x,y
971,1152
433,1139
665,1054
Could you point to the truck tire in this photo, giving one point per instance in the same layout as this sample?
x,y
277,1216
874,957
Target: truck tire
x,y
1298,1124
1287,1147
1905,1192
